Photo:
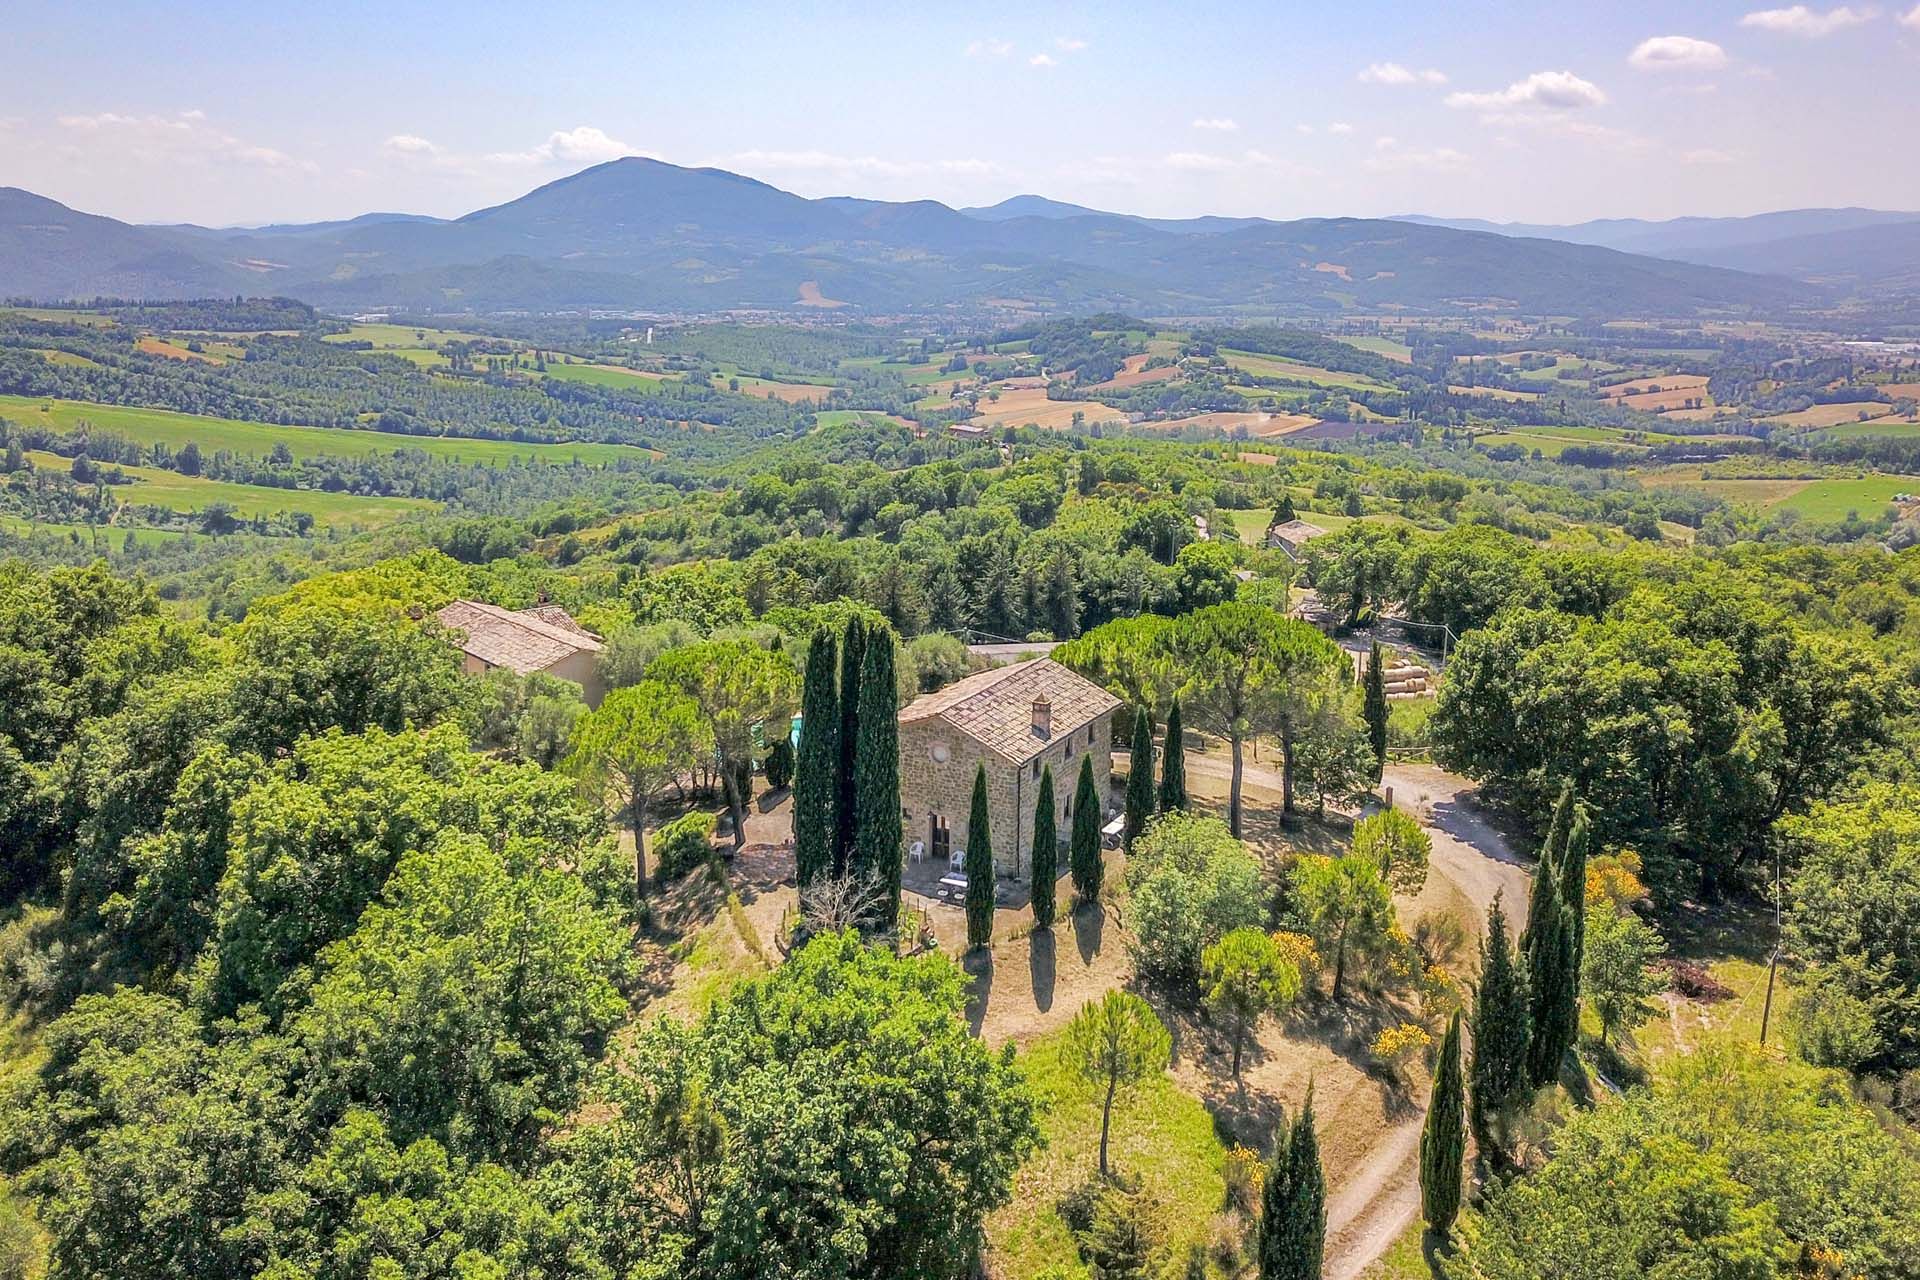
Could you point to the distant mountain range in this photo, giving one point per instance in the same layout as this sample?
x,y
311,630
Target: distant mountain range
x,y
643,234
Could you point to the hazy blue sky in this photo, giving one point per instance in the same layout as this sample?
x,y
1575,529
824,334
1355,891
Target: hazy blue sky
x,y
224,112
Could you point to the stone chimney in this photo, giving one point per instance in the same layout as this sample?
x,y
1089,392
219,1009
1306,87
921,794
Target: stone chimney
x,y
1042,718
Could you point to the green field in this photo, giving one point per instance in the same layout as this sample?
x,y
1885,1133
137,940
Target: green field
x,y
148,426
606,375
1264,366
1834,499
1387,347
386,337
1163,1138
155,487
1896,428
109,535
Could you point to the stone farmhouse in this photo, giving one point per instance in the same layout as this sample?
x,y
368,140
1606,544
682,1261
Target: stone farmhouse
x,y
544,638
1293,537
1016,720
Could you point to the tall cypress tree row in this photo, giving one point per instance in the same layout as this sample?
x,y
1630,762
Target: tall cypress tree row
x,y
876,779
853,653
1443,1141
1374,709
1084,851
1139,777
1173,765
1293,1204
1502,1026
979,866
816,778
1046,853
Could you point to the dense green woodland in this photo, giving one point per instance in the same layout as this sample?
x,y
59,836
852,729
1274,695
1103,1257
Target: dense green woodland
x,y
322,960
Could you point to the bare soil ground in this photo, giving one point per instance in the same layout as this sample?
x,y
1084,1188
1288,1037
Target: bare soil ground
x,y
1031,405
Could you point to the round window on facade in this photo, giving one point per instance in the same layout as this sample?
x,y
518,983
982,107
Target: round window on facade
x,y
938,753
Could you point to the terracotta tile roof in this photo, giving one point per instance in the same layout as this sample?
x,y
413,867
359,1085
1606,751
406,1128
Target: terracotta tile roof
x,y
995,707
554,614
1296,531
522,642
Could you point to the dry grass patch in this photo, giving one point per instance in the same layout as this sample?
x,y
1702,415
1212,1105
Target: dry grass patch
x,y
1832,415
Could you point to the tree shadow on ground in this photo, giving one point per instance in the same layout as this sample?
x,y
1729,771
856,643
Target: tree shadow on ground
x,y
1089,930
979,988
1348,1029
1040,965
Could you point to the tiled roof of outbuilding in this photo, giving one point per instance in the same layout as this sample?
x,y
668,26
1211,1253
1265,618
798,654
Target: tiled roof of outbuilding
x,y
523,642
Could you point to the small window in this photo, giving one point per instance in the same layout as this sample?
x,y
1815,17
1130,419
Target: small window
x,y
1036,767
1089,735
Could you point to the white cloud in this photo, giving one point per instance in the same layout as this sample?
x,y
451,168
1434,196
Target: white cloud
x,y
1394,73
1219,124
411,144
1303,129
1390,157
1541,91
1708,155
582,144
989,48
1340,127
1911,18
1677,53
1069,44
1199,161
184,137
1043,60
1802,21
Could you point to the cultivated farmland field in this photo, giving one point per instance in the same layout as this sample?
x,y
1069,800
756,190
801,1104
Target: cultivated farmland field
x,y
1264,366
150,426
1832,415
1018,408
155,487
1836,499
606,375
1887,427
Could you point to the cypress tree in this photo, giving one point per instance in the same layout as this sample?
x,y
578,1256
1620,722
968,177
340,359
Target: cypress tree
x,y
1285,512
876,777
816,782
1443,1142
1139,777
1374,709
979,866
1084,851
1572,879
1046,853
1293,1204
853,652
1270,1244
1550,987
1173,765
1502,1026
1552,853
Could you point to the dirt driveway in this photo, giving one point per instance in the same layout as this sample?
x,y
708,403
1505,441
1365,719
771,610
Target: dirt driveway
x,y
1374,1194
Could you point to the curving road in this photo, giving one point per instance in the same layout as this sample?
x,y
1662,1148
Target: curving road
x,y
1374,1204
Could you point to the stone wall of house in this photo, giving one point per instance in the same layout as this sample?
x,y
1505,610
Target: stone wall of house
x,y
929,786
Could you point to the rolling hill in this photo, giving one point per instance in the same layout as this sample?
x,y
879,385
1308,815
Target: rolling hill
x,y
1866,250
642,234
